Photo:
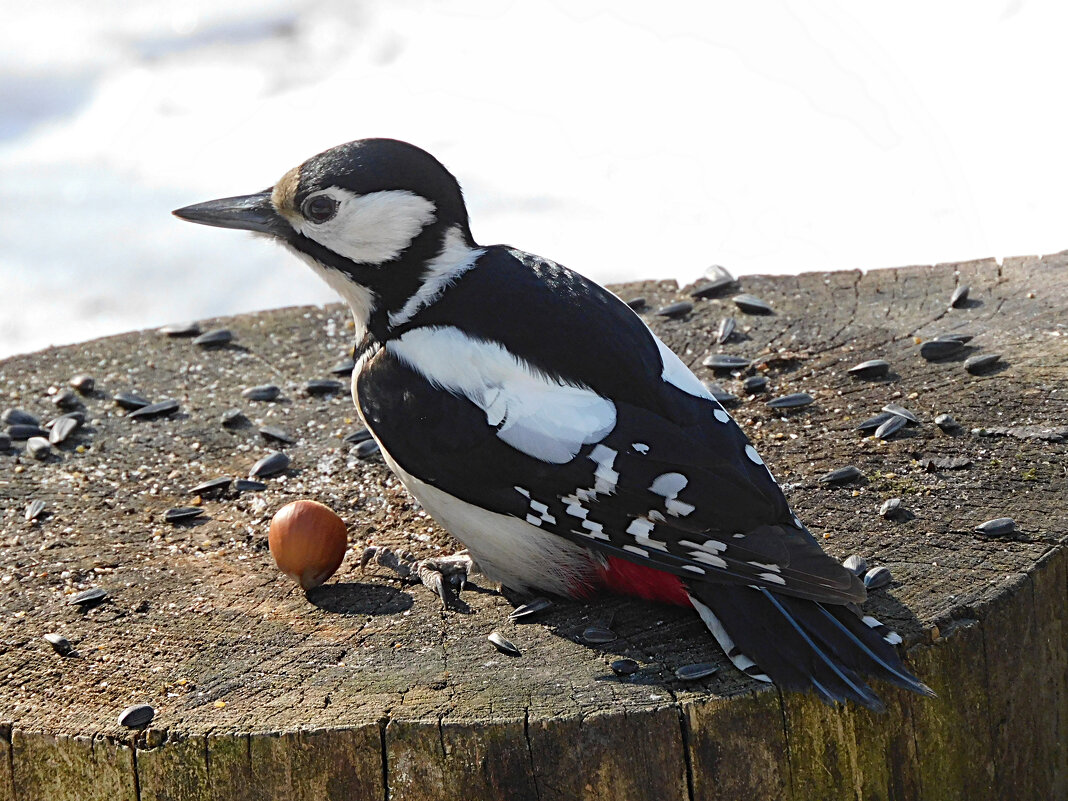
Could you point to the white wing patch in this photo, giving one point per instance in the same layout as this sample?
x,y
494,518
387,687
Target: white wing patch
x,y
533,413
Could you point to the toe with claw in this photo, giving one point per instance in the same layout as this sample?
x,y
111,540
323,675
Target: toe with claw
x,y
436,573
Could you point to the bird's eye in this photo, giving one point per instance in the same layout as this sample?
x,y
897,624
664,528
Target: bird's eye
x,y
319,208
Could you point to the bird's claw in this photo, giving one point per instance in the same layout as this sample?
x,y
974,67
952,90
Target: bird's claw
x,y
436,573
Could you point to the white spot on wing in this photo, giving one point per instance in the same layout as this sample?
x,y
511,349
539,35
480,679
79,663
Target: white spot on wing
x,y
668,484
639,526
774,578
678,508
754,457
523,492
649,542
721,415
535,414
762,566
640,447
708,559
695,569
577,510
534,520
637,550
595,535
712,546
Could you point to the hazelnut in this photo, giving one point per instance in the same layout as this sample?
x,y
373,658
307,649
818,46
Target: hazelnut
x,y
308,542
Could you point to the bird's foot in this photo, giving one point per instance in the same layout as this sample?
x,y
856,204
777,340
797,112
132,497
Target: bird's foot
x,y
437,573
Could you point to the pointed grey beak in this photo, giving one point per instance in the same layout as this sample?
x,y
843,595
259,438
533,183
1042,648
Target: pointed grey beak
x,y
248,213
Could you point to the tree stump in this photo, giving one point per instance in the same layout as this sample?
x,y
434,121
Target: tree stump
x,y
368,689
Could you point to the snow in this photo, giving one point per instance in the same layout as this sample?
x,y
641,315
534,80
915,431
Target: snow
x,y
625,140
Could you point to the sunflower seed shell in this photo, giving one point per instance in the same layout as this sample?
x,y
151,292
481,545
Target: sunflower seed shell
x,y
220,336
901,411
890,427
877,577
856,564
959,296
751,304
937,349
724,361
264,392
841,475
130,401
675,310
725,330
137,716
182,513
873,368
34,509
60,644
699,670
164,407
87,598
503,645
14,417
793,401
271,464
998,527
598,634
530,609
981,363
220,484
624,667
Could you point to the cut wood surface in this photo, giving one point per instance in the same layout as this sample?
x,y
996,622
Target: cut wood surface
x,y
368,689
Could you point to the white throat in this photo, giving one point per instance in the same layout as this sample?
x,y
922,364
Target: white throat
x,y
360,299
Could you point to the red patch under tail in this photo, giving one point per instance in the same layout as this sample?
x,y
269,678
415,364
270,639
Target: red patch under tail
x,y
629,578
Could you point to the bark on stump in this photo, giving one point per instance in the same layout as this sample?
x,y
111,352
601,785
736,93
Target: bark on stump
x,y
367,689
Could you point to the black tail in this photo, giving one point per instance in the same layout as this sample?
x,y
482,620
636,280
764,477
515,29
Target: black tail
x,y
798,644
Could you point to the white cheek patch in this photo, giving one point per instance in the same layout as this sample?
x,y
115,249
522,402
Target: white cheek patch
x,y
531,412
373,228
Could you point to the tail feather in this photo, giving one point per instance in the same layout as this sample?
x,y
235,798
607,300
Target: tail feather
x,y
760,636
800,644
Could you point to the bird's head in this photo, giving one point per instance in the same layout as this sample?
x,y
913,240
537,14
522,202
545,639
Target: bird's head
x,y
372,217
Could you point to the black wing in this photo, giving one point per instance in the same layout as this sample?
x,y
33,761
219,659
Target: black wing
x,y
673,485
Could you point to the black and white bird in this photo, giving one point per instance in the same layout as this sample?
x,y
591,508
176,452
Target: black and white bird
x,y
541,422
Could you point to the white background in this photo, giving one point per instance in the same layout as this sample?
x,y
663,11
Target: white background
x,y
625,140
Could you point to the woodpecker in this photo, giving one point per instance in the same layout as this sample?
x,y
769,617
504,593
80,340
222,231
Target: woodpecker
x,y
538,419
